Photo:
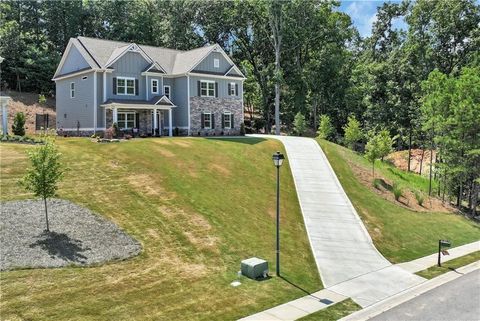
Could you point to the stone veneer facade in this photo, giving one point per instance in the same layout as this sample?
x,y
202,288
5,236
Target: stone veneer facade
x,y
216,106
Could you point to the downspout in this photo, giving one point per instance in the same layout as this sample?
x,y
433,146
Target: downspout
x,y
188,103
95,102
105,98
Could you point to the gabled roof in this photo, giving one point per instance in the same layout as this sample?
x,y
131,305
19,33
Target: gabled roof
x,y
101,54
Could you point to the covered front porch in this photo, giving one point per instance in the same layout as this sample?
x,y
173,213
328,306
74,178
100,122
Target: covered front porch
x,y
142,118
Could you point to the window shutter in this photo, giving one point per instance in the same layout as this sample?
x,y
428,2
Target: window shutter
x,y
202,120
231,121
199,92
213,120
229,88
223,121
216,89
114,85
136,87
236,89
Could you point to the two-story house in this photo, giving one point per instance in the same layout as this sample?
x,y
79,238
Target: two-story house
x,y
101,82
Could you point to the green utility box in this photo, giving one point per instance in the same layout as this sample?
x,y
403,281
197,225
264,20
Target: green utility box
x,y
255,268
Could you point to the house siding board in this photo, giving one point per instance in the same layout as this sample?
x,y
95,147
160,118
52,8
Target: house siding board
x,y
78,109
74,62
206,65
100,111
129,65
222,86
180,99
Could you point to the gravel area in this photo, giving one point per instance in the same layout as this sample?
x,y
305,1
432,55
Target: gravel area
x,y
77,236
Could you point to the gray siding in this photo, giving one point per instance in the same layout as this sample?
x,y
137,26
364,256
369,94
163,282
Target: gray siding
x,y
207,64
180,99
74,62
130,65
100,110
77,109
222,86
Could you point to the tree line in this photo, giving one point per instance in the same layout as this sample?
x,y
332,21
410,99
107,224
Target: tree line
x,y
302,58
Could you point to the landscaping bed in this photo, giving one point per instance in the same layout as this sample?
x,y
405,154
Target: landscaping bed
x,y
77,236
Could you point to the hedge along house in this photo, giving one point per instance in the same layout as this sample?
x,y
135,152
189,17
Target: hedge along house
x,y
101,82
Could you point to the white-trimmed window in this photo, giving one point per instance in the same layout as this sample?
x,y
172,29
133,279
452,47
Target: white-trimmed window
x,y
207,120
227,120
232,89
155,86
126,86
216,63
126,120
167,91
72,90
207,88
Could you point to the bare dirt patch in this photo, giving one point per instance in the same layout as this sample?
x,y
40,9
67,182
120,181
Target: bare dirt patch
x,y
183,143
420,159
220,168
408,200
146,185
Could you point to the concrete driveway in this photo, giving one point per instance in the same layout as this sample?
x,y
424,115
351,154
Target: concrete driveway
x,y
347,260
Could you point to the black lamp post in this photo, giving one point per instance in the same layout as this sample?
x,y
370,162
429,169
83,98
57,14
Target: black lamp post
x,y
277,161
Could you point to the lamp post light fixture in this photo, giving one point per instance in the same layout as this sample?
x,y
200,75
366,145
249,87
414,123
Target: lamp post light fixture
x,y
278,161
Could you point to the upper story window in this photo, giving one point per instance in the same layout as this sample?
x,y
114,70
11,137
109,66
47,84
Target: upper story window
x,y
72,90
125,86
167,91
232,89
155,86
207,88
216,63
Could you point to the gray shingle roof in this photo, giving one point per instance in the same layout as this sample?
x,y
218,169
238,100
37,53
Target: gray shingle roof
x,y
173,61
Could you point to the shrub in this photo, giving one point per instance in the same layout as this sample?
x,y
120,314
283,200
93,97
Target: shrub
x,y
127,136
325,129
353,132
299,124
18,126
176,131
115,130
242,129
397,191
377,183
419,197
109,133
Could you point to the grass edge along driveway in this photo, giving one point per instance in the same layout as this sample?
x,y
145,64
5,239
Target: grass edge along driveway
x,y
398,233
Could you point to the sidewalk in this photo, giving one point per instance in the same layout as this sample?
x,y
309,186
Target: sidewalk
x,y
431,260
309,304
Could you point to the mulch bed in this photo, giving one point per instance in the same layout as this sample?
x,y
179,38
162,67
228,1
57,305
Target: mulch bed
x,y
77,236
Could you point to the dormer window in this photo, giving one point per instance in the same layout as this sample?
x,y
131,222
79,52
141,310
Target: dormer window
x,y
155,86
216,63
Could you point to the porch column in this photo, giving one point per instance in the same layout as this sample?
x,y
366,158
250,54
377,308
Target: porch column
x,y
155,123
115,115
170,131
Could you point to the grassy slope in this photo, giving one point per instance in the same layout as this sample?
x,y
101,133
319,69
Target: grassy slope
x,y
449,265
335,312
400,234
198,207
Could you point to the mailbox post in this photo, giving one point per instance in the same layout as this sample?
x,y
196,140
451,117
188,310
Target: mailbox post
x,y
442,243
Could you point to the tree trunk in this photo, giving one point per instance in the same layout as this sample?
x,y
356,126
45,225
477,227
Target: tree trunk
x,y
474,198
459,195
276,25
409,150
430,178
46,213
421,160
315,126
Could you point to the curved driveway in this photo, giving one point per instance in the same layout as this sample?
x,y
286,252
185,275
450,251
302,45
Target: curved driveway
x,y
344,253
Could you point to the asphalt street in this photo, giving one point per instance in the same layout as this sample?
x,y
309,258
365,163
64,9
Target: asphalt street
x,y
458,300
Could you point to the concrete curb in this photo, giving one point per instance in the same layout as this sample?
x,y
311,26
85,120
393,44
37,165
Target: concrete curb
x,y
410,294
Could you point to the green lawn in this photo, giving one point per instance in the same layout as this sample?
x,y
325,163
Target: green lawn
x,y
400,234
198,206
448,266
335,312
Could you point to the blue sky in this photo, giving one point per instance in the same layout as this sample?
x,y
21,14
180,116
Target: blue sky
x,y
363,14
